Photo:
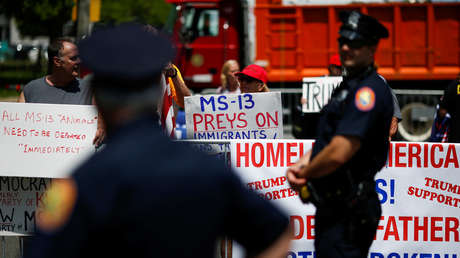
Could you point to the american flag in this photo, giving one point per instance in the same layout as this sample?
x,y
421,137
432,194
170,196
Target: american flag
x,y
166,108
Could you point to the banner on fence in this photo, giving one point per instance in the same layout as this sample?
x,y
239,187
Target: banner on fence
x,y
317,91
234,116
419,190
44,140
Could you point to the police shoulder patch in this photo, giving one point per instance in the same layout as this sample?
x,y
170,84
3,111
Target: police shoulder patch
x,y
365,99
57,206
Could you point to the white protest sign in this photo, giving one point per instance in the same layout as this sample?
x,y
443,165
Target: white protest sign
x,y
19,198
419,191
45,140
317,91
234,116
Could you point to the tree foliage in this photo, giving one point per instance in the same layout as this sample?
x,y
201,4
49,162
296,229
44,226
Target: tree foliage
x,y
47,17
34,18
154,12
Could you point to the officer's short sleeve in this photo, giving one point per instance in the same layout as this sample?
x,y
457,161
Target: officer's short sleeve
x,y
253,221
362,108
396,109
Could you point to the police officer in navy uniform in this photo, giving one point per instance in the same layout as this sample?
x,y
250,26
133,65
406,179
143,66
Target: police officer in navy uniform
x,y
143,195
337,176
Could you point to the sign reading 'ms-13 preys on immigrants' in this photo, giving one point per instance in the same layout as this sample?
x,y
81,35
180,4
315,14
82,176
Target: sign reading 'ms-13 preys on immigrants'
x,y
317,91
234,116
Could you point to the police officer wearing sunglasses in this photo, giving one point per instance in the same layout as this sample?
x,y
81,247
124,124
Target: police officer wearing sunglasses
x,y
337,176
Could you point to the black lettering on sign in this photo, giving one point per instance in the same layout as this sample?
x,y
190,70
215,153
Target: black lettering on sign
x,y
23,184
29,220
5,217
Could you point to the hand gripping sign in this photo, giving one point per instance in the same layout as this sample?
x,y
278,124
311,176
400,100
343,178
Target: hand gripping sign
x,y
234,116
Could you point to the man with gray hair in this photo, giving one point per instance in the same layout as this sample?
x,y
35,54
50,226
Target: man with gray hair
x,y
61,85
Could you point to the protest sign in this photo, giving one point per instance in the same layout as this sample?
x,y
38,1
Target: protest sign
x,y
44,140
419,191
317,91
234,116
19,198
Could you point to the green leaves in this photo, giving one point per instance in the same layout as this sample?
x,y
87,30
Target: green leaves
x,y
154,12
44,17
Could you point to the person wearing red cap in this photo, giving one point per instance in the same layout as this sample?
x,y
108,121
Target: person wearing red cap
x,y
335,66
253,79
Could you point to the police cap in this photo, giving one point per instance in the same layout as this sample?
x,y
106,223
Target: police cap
x,y
126,53
358,26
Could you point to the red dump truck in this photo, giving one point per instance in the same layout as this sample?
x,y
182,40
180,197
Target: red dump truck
x,y
292,40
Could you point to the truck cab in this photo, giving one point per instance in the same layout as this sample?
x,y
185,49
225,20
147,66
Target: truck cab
x,y
206,35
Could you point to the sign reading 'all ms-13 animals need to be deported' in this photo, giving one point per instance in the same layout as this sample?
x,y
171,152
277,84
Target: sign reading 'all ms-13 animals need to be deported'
x,y
317,91
45,140
234,116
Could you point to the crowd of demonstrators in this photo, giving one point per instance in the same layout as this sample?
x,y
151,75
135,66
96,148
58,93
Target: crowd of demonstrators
x,y
229,82
253,79
351,147
133,193
147,178
62,84
446,126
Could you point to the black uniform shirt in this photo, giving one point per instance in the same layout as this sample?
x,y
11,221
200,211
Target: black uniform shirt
x,y
145,196
360,107
451,102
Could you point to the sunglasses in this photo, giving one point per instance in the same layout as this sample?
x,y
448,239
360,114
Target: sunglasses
x,y
247,79
352,43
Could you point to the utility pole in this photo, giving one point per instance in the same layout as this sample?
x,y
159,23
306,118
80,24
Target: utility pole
x,y
82,18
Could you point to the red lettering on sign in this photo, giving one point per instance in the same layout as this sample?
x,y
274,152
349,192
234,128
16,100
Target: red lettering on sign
x,y
399,154
274,120
253,154
242,154
391,229
290,153
275,158
231,119
208,118
451,156
405,220
310,226
242,119
414,152
423,227
425,155
197,119
453,229
432,153
301,226
435,229
219,121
